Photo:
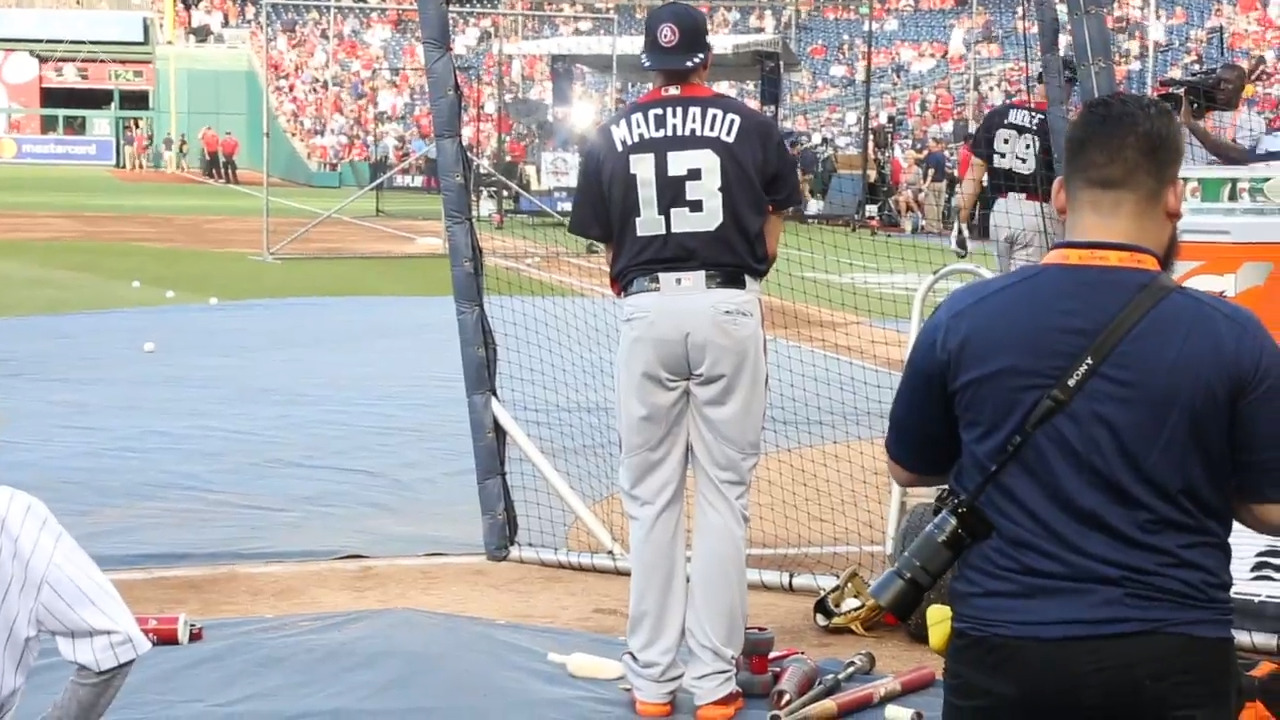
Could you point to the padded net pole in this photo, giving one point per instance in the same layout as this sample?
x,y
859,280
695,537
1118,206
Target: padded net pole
x,y
1055,87
1091,39
479,351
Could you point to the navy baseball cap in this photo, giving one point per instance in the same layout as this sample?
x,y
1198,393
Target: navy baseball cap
x,y
675,38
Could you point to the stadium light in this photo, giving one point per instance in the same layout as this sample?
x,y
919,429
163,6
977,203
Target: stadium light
x,y
583,114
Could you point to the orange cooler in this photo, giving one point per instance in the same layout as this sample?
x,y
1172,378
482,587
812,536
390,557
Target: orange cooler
x,y
1230,234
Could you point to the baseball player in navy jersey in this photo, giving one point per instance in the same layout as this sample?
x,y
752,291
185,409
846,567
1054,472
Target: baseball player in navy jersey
x,y
1012,149
685,188
50,585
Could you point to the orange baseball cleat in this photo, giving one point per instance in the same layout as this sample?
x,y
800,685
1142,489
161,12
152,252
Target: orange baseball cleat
x,y
645,708
722,709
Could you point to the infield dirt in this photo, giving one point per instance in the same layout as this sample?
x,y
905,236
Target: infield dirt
x,y
500,591
223,233
248,178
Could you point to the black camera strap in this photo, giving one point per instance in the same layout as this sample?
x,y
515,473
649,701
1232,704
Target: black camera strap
x,y
1080,372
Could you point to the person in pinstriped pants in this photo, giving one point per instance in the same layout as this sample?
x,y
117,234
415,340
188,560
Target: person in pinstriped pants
x,y
51,586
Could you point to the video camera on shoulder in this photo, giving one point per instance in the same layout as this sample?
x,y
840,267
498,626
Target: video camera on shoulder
x,y
1206,91
1220,89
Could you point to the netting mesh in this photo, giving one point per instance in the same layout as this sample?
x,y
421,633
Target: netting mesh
x,y
347,90
1169,39
838,301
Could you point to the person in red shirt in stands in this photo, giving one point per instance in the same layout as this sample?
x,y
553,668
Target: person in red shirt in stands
x,y
944,109
229,147
516,150
211,165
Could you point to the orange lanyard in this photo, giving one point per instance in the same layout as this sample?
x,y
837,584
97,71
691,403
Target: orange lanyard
x,y
1106,258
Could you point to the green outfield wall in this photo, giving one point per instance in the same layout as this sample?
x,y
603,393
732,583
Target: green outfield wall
x,y
221,87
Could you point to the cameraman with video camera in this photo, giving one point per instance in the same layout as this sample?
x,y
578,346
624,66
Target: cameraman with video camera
x,y
1217,129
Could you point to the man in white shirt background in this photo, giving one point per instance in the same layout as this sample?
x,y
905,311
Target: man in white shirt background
x,y
1222,136
52,587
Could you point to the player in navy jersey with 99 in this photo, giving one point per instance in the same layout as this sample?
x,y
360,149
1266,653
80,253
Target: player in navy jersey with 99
x,y
1012,150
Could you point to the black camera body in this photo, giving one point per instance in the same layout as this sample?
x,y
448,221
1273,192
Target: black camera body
x,y
957,525
1205,90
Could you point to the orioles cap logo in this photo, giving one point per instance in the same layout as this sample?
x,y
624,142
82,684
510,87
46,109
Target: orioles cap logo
x,y
668,35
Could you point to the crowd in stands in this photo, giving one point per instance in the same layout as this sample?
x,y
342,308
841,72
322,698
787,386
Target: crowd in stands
x,y
348,83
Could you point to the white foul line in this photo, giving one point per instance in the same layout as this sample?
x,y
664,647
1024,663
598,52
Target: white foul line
x,y
816,256
308,208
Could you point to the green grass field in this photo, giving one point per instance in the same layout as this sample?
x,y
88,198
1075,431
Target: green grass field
x,y
82,190
823,266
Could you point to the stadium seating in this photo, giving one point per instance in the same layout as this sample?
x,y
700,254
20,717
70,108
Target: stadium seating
x,y
348,82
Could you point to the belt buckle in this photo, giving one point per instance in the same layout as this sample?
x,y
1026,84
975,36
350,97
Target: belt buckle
x,y
682,281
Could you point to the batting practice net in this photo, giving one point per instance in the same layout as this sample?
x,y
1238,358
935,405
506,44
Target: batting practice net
x,y
839,303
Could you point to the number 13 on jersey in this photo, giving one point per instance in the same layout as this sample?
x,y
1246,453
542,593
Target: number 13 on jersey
x,y
704,189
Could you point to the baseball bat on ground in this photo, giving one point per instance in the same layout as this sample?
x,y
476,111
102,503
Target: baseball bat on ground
x,y
860,664
898,712
587,666
861,698
798,676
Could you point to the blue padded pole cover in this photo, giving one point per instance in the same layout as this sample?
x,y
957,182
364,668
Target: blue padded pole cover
x,y
479,351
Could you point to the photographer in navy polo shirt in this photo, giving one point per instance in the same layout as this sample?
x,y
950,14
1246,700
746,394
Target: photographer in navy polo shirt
x,y
1104,590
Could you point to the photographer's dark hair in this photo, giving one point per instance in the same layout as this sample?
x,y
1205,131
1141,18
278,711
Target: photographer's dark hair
x,y
1123,143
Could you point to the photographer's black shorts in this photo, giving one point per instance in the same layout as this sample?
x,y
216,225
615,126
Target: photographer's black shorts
x,y
1153,676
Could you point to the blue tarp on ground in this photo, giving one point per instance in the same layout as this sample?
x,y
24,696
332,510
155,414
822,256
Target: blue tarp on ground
x,y
389,664
313,428
257,430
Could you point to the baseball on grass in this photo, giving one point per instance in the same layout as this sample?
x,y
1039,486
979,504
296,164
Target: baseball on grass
x,y
168,293
213,301
148,347
137,284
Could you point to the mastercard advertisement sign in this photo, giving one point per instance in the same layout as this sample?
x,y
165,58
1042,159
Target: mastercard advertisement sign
x,y
1230,237
57,150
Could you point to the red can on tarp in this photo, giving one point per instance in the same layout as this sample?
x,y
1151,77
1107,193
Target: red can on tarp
x,y
170,629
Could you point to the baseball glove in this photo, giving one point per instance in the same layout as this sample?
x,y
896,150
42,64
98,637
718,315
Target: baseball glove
x,y
847,606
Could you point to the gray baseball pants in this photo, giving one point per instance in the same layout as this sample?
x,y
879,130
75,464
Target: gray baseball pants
x,y
1023,231
691,382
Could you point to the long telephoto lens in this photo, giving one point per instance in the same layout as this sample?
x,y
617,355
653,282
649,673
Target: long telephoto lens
x,y
902,588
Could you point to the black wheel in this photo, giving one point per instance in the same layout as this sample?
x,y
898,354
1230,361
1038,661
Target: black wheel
x,y
755,685
914,522
758,641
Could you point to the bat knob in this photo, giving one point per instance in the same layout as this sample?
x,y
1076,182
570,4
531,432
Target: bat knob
x,y
774,715
865,661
